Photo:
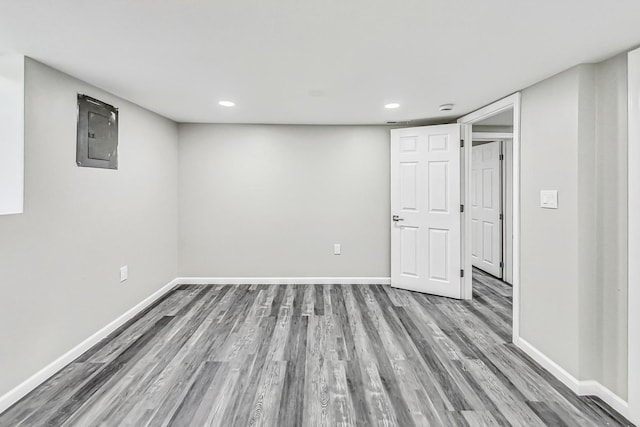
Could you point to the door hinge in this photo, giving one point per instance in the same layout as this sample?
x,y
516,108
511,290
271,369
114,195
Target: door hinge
x,y
501,264
501,217
501,156
461,208
462,143
461,273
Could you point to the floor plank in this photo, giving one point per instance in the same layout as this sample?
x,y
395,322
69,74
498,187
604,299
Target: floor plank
x,y
311,355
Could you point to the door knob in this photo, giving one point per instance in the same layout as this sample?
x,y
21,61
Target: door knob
x,y
396,218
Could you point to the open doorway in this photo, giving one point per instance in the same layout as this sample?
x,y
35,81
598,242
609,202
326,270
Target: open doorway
x,y
491,191
491,207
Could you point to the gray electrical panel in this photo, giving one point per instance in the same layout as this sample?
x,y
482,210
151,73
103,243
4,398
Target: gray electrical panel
x,y
97,143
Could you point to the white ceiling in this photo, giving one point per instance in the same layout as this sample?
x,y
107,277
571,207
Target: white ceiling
x,y
316,62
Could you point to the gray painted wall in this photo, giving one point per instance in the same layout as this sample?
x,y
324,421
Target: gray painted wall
x,y
589,317
271,200
60,260
574,260
549,238
611,219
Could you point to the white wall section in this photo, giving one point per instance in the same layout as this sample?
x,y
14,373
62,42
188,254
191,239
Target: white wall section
x,y
549,252
272,200
11,134
574,289
634,235
60,260
611,219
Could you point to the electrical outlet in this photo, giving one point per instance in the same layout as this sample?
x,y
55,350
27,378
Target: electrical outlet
x,y
124,273
337,249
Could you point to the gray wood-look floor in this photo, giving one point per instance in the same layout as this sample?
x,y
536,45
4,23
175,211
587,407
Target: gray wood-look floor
x,y
302,355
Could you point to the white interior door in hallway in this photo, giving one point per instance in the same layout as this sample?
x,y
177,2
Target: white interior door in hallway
x,y
486,208
425,207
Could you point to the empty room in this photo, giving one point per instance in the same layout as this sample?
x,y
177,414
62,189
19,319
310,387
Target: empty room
x,y
341,213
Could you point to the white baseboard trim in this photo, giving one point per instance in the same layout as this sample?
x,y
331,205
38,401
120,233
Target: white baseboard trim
x,y
594,388
284,280
45,373
558,371
579,387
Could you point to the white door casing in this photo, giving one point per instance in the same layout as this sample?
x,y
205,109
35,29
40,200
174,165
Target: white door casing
x,y
507,210
467,122
486,208
425,201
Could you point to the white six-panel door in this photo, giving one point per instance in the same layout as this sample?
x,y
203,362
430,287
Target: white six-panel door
x,y
486,226
425,207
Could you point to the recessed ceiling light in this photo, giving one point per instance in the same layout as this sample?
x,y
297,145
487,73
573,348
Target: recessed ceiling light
x,y
392,105
227,103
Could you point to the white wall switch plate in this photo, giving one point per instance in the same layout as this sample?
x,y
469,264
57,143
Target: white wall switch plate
x,y
549,199
124,273
337,248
